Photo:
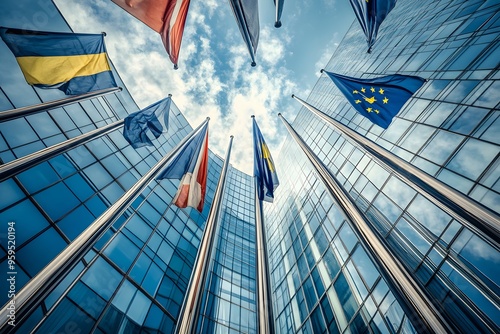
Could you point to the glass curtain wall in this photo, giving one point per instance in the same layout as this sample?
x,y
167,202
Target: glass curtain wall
x,y
229,299
448,129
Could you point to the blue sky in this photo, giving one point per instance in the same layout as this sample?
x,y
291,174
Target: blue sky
x,y
215,77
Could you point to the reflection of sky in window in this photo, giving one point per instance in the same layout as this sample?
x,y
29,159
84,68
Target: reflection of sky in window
x,y
461,90
490,97
468,120
441,146
399,192
417,137
473,158
429,215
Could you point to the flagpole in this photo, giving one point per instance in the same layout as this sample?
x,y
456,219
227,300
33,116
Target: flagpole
x,y
40,286
411,295
191,306
19,165
264,301
468,212
30,110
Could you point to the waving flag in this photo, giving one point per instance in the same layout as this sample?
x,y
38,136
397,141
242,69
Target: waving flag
x,y
166,17
246,13
136,125
190,165
378,99
72,63
371,14
279,10
263,166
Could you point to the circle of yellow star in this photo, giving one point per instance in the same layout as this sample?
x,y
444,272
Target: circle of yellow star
x,y
372,90
357,101
385,100
369,109
381,91
363,89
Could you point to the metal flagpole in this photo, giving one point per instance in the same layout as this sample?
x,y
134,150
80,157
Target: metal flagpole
x,y
191,306
413,297
468,212
21,164
25,111
264,304
35,291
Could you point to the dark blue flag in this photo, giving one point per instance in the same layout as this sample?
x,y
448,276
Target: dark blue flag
x,y
263,165
378,99
371,14
137,124
246,13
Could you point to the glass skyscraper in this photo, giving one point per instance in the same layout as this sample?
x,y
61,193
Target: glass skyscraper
x,y
325,274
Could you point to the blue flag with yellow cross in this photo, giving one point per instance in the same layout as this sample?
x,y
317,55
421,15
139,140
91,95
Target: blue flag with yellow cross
x,y
378,99
264,168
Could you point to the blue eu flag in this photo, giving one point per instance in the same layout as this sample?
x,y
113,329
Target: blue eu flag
x,y
137,124
264,169
378,99
370,14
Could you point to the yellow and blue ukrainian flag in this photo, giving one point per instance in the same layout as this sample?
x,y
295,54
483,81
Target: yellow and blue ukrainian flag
x,y
264,168
378,99
73,63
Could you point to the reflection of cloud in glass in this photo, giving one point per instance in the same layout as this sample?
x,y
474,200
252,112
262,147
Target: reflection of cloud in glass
x,y
441,146
473,158
491,96
429,215
388,208
478,253
417,137
399,192
469,119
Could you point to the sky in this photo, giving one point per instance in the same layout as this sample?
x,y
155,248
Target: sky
x,y
215,78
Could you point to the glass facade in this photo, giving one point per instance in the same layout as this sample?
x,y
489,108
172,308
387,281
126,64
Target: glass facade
x,y
323,278
136,275
229,298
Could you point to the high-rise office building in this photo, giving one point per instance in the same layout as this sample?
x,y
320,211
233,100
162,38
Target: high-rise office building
x,y
324,276
406,261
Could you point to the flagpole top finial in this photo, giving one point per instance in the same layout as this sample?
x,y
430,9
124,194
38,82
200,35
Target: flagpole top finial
x,y
277,24
169,95
253,116
293,95
279,114
322,70
176,67
231,136
253,64
208,118
103,33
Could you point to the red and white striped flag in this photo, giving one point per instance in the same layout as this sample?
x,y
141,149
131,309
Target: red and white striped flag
x,y
190,165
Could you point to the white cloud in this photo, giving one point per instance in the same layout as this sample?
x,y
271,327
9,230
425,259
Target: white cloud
x,y
326,55
214,79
